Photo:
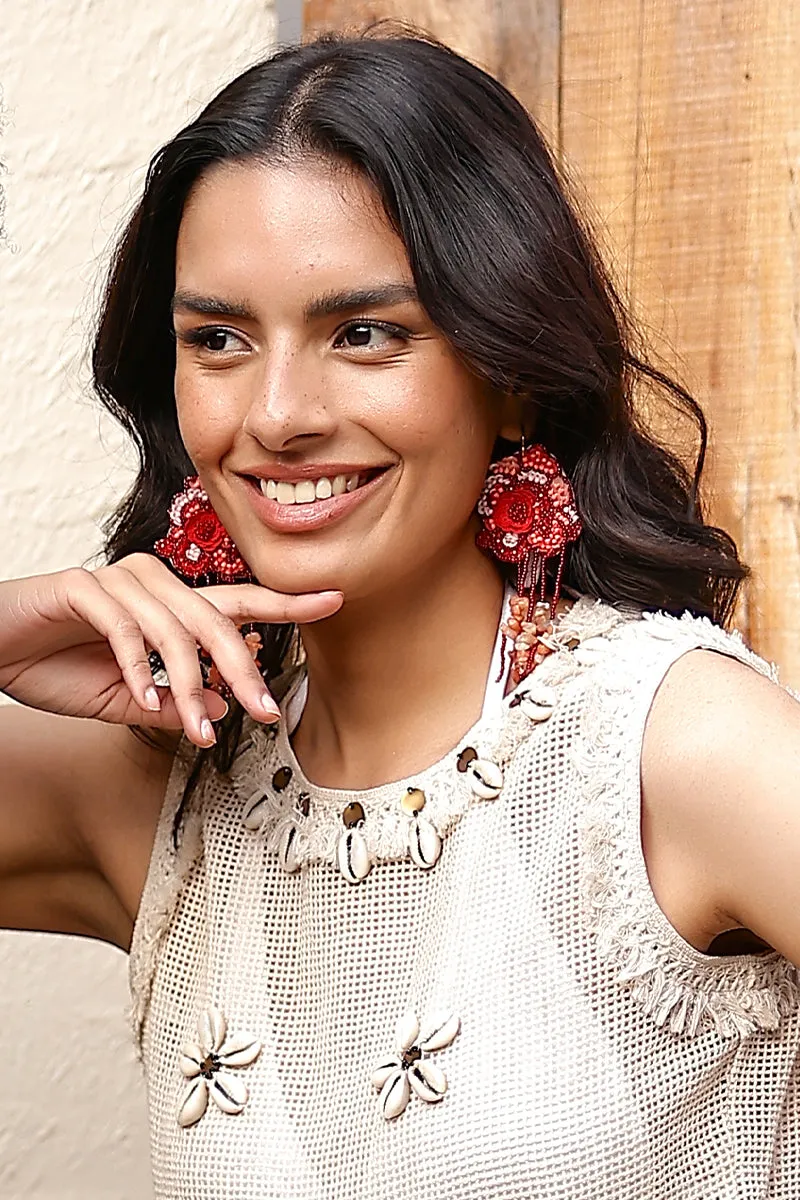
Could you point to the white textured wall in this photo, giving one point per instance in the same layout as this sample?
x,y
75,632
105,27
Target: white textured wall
x,y
91,88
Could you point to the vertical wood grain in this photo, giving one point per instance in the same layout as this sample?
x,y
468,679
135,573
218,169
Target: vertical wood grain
x,y
683,117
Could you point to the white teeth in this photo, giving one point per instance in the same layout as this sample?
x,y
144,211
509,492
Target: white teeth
x,y
308,490
304,492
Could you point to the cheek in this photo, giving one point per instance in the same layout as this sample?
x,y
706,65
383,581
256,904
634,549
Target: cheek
x,y
446,448
444,416
207,417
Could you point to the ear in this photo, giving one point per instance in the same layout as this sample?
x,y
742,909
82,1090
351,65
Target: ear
x,y
510,424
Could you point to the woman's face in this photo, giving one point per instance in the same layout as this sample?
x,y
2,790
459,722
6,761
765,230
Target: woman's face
x,y
341,441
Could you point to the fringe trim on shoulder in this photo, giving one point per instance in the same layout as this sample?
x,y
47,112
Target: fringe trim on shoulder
x,y
680,989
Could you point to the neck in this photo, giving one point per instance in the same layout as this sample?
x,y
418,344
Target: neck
x,y
395,679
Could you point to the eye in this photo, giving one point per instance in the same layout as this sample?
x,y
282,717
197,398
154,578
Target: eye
x,y
213,338
369,335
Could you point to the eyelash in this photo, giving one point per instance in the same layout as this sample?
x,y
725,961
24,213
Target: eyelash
x,y
199,336
385,326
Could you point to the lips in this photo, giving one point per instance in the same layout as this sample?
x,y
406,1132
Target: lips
x,y
283,510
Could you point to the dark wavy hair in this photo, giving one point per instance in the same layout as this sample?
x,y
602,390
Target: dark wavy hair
x,y
502,262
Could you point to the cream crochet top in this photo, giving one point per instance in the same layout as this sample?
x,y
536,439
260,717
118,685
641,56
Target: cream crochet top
x,y
323,1013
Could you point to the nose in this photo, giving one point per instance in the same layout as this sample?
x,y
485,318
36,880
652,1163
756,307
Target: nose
x,y
290,404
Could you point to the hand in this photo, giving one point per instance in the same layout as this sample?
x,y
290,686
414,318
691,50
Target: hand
x,y
76,642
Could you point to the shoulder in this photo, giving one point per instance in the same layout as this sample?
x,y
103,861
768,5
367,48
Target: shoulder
x,y
720,769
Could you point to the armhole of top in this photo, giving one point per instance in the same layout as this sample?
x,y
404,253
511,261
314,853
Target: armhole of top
x,y
682,988
165,874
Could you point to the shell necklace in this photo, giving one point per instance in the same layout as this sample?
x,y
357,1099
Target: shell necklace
x,y
407,819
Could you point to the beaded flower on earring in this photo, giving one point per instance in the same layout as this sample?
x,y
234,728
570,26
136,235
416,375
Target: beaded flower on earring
x,y
197,543
528,515
199,548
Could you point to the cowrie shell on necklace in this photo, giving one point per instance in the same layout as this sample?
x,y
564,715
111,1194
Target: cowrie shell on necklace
x,y
590,651
352,854
255,810
424,843
485,778
287,845
537,702
286,850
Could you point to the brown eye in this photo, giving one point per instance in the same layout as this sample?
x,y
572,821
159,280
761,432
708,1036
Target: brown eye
x,y
216,339
359,335
213,338
369,335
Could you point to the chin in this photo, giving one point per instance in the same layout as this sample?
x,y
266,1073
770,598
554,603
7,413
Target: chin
x,y
297,578
359,566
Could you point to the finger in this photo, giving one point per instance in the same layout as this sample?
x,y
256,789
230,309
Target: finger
x,y
208,627
246,602
168,717
233,659
177,646
241,602
213,614
94,606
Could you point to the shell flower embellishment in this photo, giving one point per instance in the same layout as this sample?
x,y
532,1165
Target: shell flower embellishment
x,y
409,1069
207,1062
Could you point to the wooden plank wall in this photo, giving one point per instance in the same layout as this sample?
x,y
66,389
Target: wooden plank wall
x,y
682,120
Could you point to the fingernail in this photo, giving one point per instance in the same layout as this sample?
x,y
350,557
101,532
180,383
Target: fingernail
x,y
223,714
270,707
151,699
207,731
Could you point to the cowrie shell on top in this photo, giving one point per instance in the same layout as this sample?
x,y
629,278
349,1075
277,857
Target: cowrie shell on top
x,y
485,778
538,702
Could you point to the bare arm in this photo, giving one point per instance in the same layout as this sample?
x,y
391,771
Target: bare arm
x,y
79,804
79,794
721,802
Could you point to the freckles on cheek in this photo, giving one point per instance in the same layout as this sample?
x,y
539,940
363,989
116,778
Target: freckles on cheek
x,y
206,430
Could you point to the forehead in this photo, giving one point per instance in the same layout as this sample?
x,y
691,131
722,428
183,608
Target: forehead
x,y
248,225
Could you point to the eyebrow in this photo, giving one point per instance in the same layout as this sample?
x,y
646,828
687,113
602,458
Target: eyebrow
x,y
331,303
326,305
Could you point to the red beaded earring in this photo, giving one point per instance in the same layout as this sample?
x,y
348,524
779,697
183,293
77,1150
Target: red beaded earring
x,y
528,515
197,543
198,546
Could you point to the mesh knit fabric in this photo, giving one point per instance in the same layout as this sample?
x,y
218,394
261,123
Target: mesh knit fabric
x,y
600,1056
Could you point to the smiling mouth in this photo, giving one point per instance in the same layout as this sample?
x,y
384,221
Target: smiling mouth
x,y
310,491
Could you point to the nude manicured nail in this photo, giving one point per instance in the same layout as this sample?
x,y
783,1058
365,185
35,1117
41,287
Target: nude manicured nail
x,y
207,731
152,700
270,707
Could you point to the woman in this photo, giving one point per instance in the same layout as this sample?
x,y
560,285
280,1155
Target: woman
x,y
501,898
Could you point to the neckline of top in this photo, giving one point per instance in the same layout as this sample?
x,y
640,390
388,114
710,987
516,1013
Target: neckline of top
x,y
295,701
487,727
